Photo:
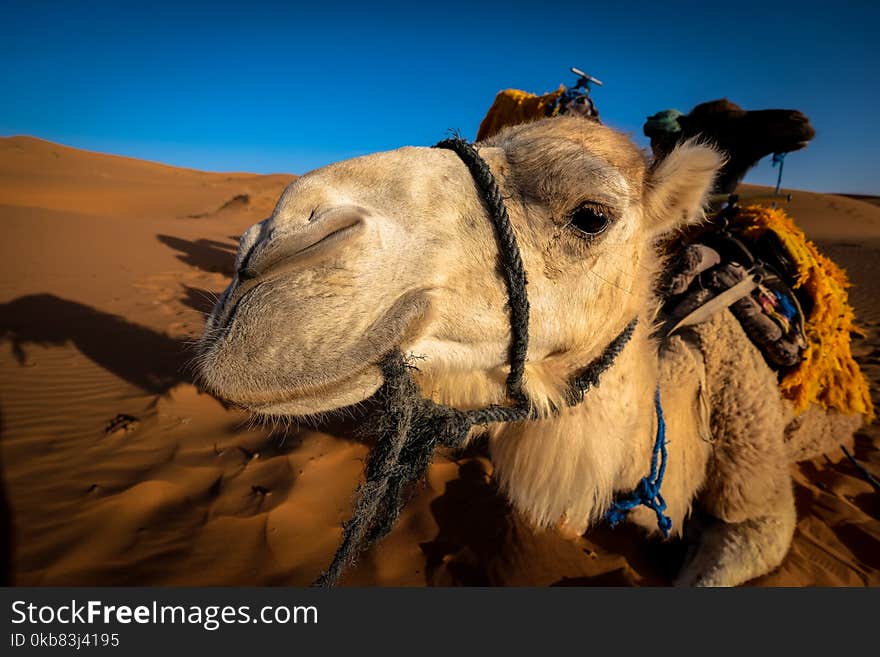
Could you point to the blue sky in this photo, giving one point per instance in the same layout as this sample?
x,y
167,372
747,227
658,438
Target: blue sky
x,y
287,87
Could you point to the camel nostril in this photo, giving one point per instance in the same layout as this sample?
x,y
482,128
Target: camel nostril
x,y
283,253
314,241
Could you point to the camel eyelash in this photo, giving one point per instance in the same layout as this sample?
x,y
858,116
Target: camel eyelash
x,y
589,220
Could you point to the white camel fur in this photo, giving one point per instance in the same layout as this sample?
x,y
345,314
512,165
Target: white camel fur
x,y
395,250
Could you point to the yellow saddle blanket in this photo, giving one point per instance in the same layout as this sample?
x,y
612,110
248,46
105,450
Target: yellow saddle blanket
x,y
828,375
512,107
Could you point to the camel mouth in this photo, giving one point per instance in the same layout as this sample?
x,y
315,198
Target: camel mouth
x,y
314,382
310,404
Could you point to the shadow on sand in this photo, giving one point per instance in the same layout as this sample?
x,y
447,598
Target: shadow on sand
x,y
482,542
199,299
7,538
150,360
207,255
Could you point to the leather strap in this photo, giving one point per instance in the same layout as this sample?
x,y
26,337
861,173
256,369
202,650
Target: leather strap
x,y
716,304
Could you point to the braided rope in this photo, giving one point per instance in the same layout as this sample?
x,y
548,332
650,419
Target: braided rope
x,y
511,260
647,491
381,468
589,376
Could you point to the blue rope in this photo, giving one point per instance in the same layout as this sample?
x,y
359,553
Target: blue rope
x,y
647,492
785,305
778,158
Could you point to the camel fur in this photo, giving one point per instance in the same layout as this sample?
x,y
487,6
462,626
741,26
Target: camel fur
x,y
395,250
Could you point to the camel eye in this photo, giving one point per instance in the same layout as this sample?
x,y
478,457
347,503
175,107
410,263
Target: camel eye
x,y
589,220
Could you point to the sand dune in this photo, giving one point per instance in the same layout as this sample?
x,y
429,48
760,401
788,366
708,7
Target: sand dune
x,y
116,470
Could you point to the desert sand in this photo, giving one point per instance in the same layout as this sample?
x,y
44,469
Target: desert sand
x,y
116,470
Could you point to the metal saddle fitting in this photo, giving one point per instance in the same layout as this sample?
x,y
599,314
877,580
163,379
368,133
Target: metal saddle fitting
x,y
576,99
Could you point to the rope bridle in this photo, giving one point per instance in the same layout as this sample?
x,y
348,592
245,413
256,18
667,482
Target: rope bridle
x,y
410,427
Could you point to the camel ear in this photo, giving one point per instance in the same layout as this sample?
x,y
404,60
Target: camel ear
x,y
678,186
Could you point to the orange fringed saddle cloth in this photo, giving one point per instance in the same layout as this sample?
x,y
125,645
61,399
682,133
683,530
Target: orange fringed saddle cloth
x,y
512,107
828,374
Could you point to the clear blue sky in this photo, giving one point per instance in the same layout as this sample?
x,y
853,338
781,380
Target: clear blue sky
x,y
287,87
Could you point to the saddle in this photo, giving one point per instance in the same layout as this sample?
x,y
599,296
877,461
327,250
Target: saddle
x,y
754,277
790,299
513,106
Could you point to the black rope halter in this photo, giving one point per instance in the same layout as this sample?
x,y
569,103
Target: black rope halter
x,y
411,428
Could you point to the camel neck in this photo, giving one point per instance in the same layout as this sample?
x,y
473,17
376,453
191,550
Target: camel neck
x,y
569,466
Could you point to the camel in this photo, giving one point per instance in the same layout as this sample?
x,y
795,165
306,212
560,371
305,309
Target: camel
x,y
744,136
394,250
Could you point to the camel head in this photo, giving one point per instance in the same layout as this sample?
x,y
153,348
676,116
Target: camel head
x,y
745,136
396,250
